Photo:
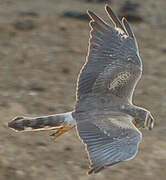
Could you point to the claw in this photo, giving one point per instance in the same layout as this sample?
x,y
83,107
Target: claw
x,y
149,122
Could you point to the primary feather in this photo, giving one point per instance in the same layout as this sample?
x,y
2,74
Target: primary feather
x,y
104,114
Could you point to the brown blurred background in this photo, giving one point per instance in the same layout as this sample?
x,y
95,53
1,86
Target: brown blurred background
x,y
42,48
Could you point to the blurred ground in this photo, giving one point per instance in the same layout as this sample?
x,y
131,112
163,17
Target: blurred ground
x,y
39,65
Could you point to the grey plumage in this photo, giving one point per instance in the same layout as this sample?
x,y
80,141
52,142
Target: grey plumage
x,y
110,139
106,120
104,110
112,55
41,123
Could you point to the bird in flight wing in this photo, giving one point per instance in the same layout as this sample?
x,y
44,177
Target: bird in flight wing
x,y
105,86
109,138
104,115
113,64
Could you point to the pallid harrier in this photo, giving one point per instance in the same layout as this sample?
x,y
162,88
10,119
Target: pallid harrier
x,y
105,118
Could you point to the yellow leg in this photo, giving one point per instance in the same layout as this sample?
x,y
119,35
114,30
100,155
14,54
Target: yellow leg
x,y
63,129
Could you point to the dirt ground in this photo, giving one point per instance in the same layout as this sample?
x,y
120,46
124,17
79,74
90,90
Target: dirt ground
x,y
38,70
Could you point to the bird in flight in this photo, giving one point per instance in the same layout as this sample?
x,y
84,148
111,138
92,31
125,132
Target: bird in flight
x,y
106,120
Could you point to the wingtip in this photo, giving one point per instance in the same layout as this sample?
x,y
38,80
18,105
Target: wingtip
x,y
128,28
91,14
106,5
96,19
88,12
115,19
124,19
125,22
108,8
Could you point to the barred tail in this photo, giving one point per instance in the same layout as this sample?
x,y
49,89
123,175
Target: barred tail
x,y
42,123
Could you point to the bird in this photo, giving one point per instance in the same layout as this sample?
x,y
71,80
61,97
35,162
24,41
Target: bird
x,y
107,121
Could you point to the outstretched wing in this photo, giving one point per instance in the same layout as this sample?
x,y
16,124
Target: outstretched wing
x,y
108,139
113,64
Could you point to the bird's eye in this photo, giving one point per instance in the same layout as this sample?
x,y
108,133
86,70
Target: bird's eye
x,y
129,59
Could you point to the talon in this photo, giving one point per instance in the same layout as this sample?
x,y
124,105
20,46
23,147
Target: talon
x,y
149,122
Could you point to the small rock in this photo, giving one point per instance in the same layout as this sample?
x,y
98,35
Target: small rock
x,y
20,173
37,88
32,93
130,6
4,104
12,34
63,28
66,70
129,11
28,14
39,143
50,108
84,166
164,50
25,25
68,148
76,15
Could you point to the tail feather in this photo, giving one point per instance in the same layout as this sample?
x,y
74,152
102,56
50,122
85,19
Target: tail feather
x,y
42,123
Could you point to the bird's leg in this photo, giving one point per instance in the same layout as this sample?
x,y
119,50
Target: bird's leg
x,y
142,117
147,122
63,129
